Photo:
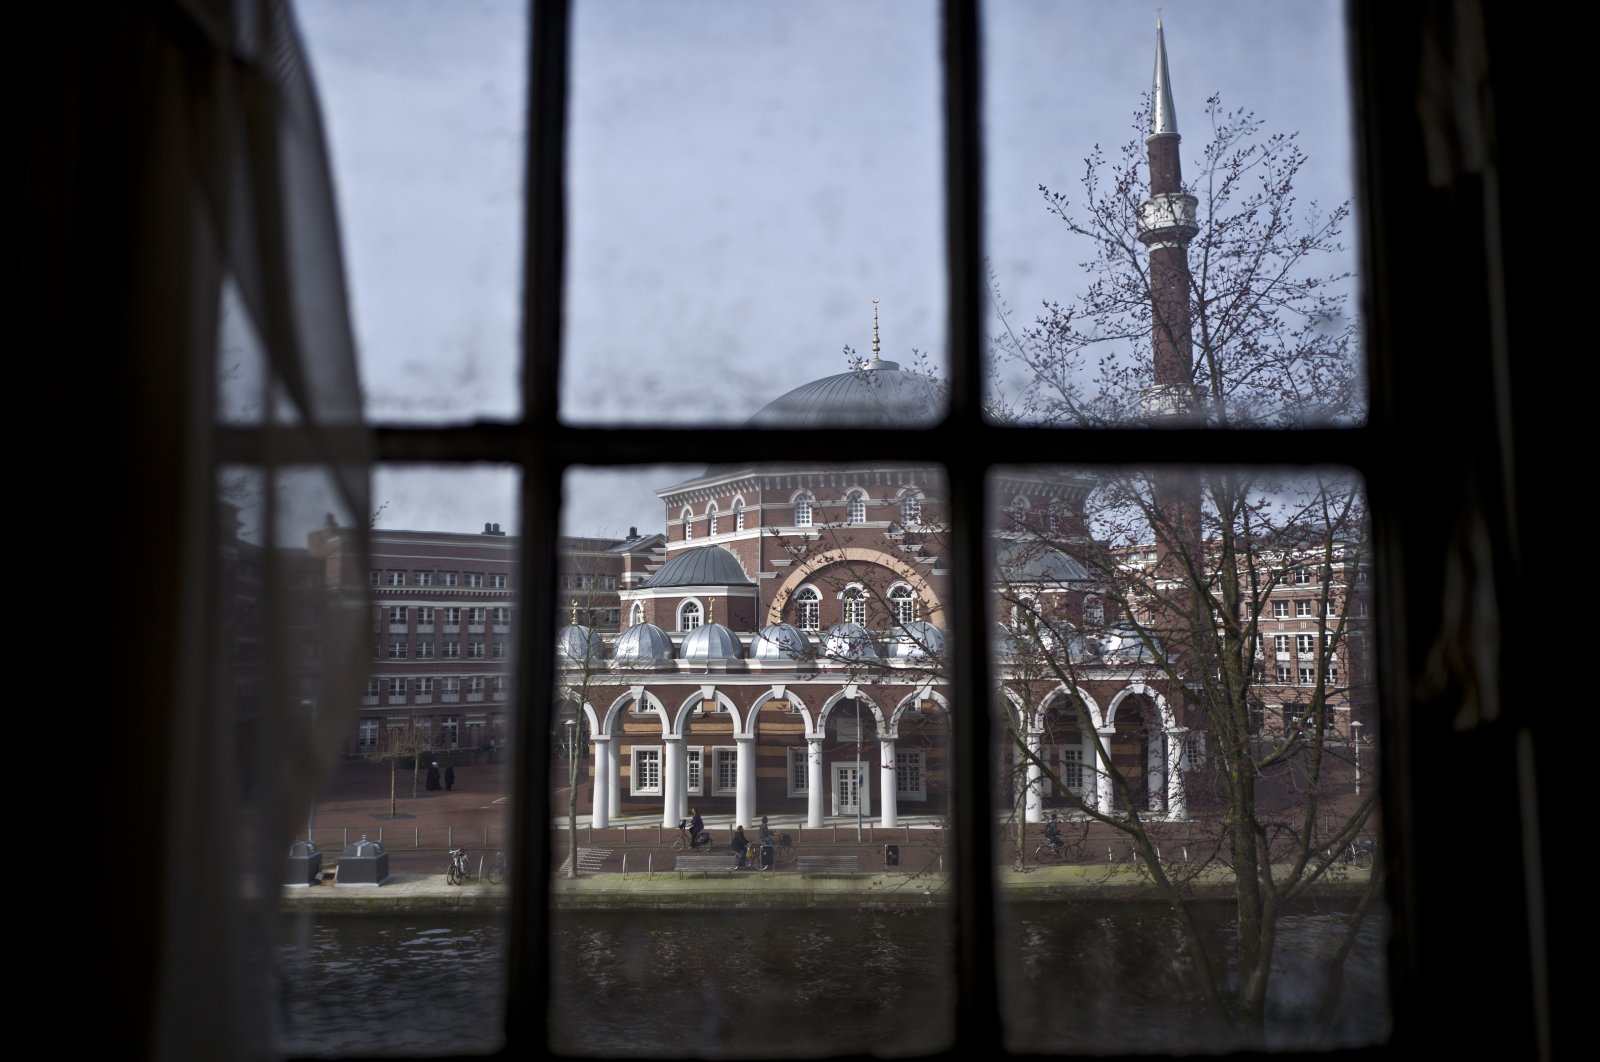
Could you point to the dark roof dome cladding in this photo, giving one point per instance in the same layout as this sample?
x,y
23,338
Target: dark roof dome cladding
x,y
701,566
878,392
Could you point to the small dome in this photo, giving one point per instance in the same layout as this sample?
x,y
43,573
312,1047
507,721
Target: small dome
x,y
578,643
1122,645
642,643
848,641
711,641
780,641
1029,562
701,566
916,640
877,394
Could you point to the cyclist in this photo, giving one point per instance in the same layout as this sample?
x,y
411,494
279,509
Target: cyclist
x,y
1052,833
738,844
697,827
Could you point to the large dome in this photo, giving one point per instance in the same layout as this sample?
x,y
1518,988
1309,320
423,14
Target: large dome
x,y
701,566
878,393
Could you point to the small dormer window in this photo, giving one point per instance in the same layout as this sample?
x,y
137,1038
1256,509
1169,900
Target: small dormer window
x,y
911,509
738,516
856,507
689,616
688,525
711,519
802,511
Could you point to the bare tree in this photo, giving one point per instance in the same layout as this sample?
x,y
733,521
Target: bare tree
x,y
1190,572
406,741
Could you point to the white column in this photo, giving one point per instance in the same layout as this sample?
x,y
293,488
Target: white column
x,y
1102,772
613,778
601,793
1177,804
673,780
814,791
1033,796
888,783
744,798
1155,773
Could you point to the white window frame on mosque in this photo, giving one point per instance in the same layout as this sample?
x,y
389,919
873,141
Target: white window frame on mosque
x,y
1072,768
636,614
688,525
911,509
902,603
711,518
638,758
804,506
724,771
799,772
691,614
808,608
738,514
853,604
694,763
910,774
855,504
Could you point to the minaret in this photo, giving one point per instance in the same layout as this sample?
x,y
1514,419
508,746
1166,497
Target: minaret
x,y
1166,225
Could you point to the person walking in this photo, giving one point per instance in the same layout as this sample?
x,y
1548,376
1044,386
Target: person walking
x,y
450,778
433,777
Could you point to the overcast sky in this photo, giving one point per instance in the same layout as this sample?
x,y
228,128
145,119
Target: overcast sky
x,y
744,179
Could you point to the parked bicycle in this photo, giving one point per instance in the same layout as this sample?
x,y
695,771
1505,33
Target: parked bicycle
x,y
457,874
497,869
1359,854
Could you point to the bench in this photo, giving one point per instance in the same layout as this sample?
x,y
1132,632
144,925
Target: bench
x,y
816,865
706,864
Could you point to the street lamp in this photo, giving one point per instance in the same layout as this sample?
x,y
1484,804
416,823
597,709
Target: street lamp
x,y
1355,727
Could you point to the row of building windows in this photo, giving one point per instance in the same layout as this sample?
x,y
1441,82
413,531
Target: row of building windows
x,y
423,649
645,774
427,686
589,581
433,577
451,617
804,512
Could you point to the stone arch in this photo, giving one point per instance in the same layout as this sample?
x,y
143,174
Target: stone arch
x,y
692,702
1097,716
909,701
932,607
848,693
1164,716
777,693
651,701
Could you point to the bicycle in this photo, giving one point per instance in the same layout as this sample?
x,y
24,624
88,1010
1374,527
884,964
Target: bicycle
x,y
497,869
1359,854
457,874
681,842
1064,852
782,849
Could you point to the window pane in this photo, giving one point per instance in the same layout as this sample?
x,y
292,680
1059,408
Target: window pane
x,y
1150,695
831,734
419,753
424,104
745,180
1235,256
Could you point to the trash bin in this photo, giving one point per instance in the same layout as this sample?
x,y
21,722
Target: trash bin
x,y
891,855
766,857
363,863
304,866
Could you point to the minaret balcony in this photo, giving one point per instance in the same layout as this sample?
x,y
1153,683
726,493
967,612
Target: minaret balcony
x,y
1168,219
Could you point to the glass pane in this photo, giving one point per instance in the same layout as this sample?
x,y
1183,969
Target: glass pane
x,y
424,105
393,937
763,661
1176,247
745,182
1180,655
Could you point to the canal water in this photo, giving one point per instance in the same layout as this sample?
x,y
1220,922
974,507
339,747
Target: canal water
x,y
653,983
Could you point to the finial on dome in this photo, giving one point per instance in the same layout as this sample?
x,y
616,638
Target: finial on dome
x,y
711,611
874,331
574,611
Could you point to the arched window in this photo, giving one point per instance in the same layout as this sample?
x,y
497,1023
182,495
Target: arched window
x,y
688,524
854,601
689,615
808,608
1052,519
711,518
1019,513
911,509
802,510
902,603
636,614
856,507
738,515
1094,612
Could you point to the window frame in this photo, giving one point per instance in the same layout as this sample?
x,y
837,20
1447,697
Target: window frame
x,y
1388,64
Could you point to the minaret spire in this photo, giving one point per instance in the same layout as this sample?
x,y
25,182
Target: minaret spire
x,y
874,333
1163,115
